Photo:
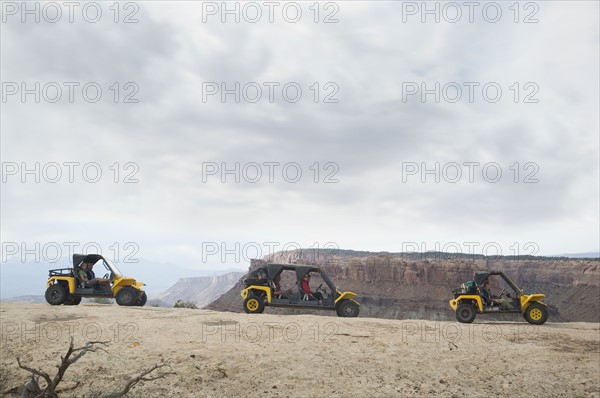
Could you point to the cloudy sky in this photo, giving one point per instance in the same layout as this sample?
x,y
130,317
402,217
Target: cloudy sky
x,y
398,123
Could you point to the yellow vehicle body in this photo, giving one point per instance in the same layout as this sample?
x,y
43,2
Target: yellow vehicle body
x,y
526,300
474,297
62,285
341,295
121,282
468,300
265,289
346,296
118,283
68,279
262,287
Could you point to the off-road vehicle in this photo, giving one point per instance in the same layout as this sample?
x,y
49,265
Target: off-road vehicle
x,y
65,287
260,291
470,300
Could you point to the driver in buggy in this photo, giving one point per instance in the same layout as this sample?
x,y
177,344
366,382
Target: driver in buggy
x,y
488,299
88,278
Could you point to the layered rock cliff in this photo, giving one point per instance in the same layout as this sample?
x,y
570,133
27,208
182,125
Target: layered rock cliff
x,y
400,285
199,290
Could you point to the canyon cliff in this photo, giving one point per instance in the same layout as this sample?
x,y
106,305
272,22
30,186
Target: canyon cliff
x,y
419,285
198,290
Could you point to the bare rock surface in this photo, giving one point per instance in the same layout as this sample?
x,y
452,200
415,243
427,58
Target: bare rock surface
x,y
225,354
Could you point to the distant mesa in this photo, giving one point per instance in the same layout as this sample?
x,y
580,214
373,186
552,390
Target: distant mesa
x,y
418,286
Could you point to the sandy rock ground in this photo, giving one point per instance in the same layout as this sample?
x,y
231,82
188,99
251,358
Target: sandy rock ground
x,y
219,354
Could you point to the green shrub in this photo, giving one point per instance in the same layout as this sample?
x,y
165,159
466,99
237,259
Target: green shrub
x,y
185,304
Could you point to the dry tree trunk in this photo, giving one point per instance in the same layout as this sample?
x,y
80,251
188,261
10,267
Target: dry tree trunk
x,y
33,390
72,356
31,387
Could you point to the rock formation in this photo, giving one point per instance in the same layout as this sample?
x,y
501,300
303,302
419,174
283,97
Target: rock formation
x,y
419,285
199,290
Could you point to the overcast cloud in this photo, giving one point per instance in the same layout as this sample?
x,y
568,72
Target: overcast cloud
x,y
369,55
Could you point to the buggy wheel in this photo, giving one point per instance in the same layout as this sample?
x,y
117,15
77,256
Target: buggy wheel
x,y
536,314
254,305
127,296
73,300
142,300
56,294
465,313
347,309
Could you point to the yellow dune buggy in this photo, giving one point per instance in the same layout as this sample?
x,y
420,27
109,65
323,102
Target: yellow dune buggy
x,y
260,290
472,299
65,287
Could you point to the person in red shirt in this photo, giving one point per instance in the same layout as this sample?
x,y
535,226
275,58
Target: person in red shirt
x,y
306,288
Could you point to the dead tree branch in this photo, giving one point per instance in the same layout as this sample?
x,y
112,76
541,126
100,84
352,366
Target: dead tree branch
x,y
32,386
144,376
